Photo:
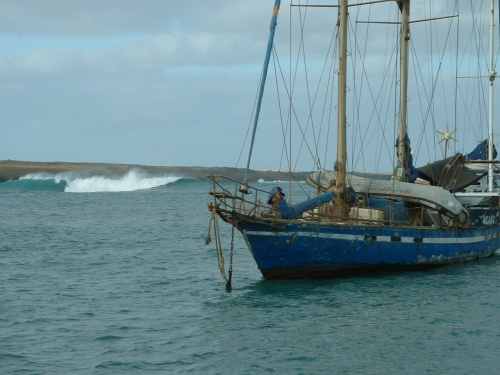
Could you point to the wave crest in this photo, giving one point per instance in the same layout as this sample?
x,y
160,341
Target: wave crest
x,y
91,182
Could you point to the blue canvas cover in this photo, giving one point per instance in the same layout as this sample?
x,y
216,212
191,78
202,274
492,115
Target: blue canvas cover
x,y
408,160
481,152
287,211
393,210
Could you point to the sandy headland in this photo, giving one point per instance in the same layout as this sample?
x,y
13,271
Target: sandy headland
x,y
13,170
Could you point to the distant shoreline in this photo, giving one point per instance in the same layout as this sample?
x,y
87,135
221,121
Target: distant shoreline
x,y
13,170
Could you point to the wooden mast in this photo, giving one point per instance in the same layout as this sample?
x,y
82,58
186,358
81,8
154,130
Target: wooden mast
x,y
403,150
341,207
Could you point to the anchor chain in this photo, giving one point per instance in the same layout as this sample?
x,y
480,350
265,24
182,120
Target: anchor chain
x,y
230,271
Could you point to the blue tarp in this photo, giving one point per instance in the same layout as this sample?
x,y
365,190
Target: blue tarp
x,y
481,152
408,160
287,211
395,211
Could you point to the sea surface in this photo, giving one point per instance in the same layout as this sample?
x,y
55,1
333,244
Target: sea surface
x,y
111,275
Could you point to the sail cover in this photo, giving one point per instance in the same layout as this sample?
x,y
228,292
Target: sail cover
x,y
481,152
433,197
408,160
450,173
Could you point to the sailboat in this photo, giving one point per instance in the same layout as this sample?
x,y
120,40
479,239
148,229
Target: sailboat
x,y
356,223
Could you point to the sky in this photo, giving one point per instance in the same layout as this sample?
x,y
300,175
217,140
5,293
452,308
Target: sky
x,y
150,82
154,82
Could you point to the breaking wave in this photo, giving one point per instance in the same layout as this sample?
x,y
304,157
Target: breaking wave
x,y
91,182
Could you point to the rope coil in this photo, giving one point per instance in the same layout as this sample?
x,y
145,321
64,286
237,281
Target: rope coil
x,y
219,250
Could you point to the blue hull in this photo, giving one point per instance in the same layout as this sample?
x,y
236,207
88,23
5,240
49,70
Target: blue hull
x,y
293,249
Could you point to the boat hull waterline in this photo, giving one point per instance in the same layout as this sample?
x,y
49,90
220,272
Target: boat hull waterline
x,y
305,250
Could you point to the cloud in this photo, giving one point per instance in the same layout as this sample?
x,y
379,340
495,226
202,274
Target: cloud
x,y
154,82
95,17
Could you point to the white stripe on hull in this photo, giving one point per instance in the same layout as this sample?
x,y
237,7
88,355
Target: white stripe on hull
x,y
353,237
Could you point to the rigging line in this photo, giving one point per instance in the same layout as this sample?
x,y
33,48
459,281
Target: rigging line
x,y
478,32
395,94
357,98
295,78
475,31
249,125
303,131
317,137
460,93
421,85
419,79
379,97
473,37
312,105
382,93
375,110
437,74
430,100
283,126
329,95
430,112
481,50
293,81
292,107
328,103
467,117
444,90
310,119
285,129
327,63
284,153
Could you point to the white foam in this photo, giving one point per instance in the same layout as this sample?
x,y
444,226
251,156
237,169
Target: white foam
x,y
83,182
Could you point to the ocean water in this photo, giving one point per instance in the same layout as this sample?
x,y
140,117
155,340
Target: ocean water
x,y
111,275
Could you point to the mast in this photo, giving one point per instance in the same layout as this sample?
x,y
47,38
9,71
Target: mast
x,y
403,151
272,27
341,208
492,75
